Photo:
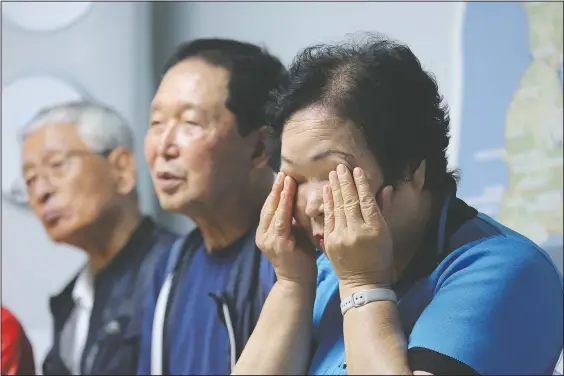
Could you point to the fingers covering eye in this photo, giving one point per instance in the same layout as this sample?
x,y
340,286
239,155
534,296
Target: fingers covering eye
x,y
282,222
271,203
368,206
328,210
338,206
350,196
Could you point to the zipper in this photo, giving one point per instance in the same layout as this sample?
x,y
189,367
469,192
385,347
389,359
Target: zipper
x,y
230,333
90,359
230,329
110,329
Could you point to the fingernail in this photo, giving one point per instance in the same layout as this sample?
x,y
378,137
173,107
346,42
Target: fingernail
x,y
278,178
357,172
341,169
332,175
286,181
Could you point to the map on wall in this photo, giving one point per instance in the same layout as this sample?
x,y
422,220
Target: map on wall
x,y
512,119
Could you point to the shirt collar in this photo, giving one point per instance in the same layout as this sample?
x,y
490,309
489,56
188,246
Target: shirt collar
x,y
138,243
83,290
137,246
427,258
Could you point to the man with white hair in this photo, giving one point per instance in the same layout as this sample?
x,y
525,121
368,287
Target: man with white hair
x,y
80,174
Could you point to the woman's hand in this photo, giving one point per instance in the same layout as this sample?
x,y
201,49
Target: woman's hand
x,y
287,248
357,240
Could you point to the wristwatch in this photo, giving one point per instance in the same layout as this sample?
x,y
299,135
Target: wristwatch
x,y
360,298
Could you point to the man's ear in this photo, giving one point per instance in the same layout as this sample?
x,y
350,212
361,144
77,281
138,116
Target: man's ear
x,y
419,176
124,169
262,147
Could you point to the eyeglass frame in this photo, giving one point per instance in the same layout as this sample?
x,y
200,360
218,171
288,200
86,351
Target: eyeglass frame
x,y
64,163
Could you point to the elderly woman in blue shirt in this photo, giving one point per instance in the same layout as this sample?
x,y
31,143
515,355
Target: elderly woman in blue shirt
x,y
410,279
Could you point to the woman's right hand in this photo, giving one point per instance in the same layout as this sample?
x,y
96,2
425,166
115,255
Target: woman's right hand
x,y
285,245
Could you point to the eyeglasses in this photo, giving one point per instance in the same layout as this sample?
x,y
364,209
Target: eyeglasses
x,y
55,166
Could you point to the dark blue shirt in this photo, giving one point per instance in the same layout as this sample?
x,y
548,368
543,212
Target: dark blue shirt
x,y
202,308
196,337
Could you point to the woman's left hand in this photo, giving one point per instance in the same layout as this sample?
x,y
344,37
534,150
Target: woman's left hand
x,y
356,237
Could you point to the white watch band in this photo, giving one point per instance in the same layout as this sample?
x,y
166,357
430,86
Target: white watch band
x,y
360,298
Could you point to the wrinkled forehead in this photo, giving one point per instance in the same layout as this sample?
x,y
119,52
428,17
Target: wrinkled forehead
x,y
315,128
51,138
192,82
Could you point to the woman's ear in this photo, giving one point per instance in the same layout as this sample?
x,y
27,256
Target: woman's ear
x,y
262,148
124,169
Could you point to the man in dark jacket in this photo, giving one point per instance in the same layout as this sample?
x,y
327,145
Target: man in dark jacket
x,y
80,173
208,151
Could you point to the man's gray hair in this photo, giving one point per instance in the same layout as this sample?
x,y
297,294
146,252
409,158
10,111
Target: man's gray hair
x,y
100,127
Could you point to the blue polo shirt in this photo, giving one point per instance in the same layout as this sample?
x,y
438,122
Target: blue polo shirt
x,y
491,304
210,309
196,339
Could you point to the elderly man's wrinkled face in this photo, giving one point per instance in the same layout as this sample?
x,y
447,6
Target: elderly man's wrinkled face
x,y
314,142
69,187
193,147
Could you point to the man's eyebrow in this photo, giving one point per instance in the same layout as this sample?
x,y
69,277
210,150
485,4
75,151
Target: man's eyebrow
x,y
325,154
183,107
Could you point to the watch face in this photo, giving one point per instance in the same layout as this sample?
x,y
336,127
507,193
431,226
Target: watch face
x,y
21,100
45,16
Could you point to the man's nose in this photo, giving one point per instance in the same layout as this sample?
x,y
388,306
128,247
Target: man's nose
x,y
43,189
167,145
